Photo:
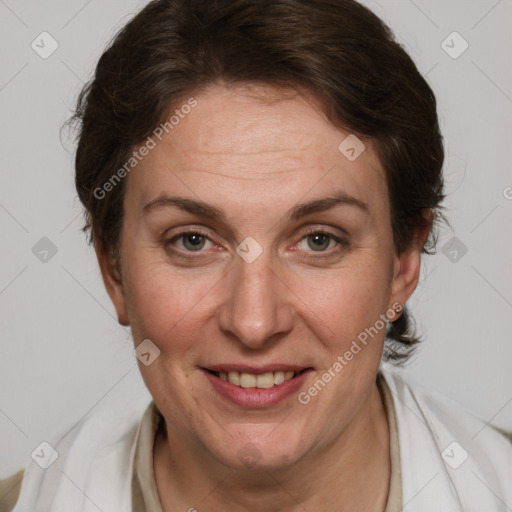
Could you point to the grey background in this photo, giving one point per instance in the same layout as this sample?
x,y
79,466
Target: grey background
x,y
63,353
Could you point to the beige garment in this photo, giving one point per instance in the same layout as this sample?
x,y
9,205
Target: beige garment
x,y
10,491
144,491
394,503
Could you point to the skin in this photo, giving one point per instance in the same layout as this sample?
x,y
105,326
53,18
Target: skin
x,y
255,153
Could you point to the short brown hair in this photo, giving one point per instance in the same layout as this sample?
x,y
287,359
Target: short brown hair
x,y
336,49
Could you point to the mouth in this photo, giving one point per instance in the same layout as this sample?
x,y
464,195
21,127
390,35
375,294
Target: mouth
x,y
254,379
256,387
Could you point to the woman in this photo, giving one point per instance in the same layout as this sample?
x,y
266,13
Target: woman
x,y
260,180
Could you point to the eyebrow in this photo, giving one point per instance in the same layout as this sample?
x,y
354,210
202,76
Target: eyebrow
x,y
206,210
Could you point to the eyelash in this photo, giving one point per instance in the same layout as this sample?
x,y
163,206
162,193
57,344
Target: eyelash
x,y
341,242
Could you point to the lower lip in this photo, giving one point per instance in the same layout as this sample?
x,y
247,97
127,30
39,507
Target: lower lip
x,y
256,397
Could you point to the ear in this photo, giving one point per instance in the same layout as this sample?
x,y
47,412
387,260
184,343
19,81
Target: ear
x,y
112,281
407,266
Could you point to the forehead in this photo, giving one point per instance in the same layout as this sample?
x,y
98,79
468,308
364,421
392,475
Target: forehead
x,y
259,142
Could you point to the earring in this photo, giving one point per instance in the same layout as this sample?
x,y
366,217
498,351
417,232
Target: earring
x,y
395,311
398,309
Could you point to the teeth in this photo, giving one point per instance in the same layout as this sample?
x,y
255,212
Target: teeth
x,y
265,380
247,380
278,378
234,378
262,381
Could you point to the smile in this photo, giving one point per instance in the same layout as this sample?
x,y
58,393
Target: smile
x,y
261,381
256,387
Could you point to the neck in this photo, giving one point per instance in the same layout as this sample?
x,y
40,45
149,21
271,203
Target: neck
x,y
352,473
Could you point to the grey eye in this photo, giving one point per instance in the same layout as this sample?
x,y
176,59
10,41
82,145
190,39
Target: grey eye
x,y
319,241
193,241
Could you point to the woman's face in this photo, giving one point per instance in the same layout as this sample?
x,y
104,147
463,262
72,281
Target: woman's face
x,y
251,243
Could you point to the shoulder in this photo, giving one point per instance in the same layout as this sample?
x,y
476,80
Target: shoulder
x,y
446,413
450,439
10,488
99,448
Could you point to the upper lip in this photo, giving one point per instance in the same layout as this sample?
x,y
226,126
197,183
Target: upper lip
x,y
256,370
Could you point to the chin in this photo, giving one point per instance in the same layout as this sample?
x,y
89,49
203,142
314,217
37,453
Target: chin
x,y
260,452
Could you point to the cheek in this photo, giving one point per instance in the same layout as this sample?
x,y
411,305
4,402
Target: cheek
x,y
344,313
349,297
164,305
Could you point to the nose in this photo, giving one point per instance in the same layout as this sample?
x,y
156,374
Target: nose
x,y
257,307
